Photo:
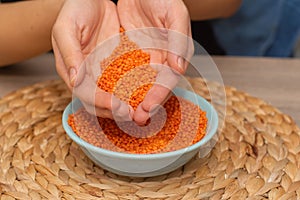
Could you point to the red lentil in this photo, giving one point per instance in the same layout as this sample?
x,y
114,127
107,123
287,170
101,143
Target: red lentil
x,y
128,75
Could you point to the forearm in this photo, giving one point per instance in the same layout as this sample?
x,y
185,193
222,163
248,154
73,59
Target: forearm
x,y
26,29
211,9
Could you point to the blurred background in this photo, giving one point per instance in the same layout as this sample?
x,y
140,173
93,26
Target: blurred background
x,y
269,28
258,28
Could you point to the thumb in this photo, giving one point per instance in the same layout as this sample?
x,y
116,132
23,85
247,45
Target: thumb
x,y
69,47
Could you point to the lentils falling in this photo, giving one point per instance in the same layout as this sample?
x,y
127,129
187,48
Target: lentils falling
x,y
126,73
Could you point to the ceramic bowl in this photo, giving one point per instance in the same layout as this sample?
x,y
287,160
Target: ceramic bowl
x,y
146,165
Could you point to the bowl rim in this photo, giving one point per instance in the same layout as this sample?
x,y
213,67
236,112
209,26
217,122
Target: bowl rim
x,y
210,129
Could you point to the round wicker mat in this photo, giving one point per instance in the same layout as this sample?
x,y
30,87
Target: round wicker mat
x,y
256,157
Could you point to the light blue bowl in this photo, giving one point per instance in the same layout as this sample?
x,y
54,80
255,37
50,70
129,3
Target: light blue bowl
x,y
146,165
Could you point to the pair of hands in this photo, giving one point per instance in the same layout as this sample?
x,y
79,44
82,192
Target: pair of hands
x,y
83,24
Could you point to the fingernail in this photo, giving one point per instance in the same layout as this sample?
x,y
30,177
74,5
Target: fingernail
x,y
180,63
72,74
140,116
131,113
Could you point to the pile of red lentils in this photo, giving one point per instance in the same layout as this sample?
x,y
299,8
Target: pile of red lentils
x,y
127,74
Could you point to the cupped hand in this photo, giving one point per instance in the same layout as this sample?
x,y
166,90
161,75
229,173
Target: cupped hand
x,y
80,26
171,44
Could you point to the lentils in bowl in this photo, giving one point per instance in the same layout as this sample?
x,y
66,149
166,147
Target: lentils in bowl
x,y
172,137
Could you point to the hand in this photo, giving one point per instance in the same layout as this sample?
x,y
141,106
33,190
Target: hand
x,y
80,26
172,44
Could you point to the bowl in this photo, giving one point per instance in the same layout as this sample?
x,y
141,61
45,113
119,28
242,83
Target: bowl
x,y
147,165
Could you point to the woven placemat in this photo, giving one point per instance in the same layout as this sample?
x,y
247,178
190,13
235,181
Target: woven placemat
x,y
256,157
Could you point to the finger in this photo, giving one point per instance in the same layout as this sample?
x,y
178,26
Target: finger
x,y
179,55
96,100
177,62
180,47
100,112
60,66
141,116
166,80
120,110
156,96
157,56
65,37
110,23
90,94
180,51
